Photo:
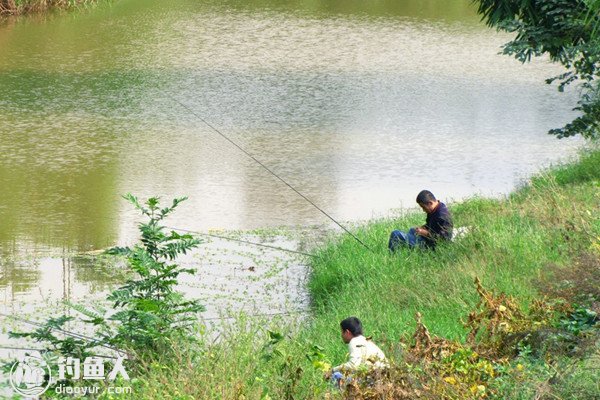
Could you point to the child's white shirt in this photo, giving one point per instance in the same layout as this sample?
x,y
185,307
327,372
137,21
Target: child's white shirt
x,y
363,352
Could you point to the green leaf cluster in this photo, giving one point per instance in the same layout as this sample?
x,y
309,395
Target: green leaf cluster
x,y
568,31
148,313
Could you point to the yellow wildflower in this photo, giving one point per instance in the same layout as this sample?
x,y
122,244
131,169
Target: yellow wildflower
x,y
450,379
519,367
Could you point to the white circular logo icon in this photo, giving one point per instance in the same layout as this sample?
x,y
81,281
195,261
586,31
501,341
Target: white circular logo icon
x,y
30,376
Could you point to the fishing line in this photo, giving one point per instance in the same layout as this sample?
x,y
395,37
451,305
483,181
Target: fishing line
x,y
242,241
43,350
286,313
267,169
68,333
21,348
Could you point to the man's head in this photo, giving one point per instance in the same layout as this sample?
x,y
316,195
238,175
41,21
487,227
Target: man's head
x,y
351,327
427,201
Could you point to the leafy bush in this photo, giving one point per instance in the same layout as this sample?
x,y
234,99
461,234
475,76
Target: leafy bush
x,y
568,32
148,313
151,310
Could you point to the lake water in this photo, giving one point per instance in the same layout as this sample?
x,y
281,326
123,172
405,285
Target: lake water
x,y
359,105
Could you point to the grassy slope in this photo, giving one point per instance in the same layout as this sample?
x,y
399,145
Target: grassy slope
x,y
551,221
512,242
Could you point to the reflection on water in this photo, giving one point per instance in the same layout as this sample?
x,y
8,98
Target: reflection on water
x,y
230,277
358,104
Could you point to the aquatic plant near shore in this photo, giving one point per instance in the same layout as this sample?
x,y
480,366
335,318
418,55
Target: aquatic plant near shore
x,y
148,313
151,311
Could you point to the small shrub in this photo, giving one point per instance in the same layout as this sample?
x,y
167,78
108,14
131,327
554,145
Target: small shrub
x,y
148,313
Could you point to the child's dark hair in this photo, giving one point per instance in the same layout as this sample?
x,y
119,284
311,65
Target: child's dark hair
x,y
353,325
425,197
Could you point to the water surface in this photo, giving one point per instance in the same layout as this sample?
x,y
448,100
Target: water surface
x,y
357,105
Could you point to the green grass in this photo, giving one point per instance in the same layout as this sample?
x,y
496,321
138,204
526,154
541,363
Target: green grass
x,y
514,242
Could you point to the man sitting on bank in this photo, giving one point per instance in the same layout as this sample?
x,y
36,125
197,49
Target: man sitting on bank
x,y
438,225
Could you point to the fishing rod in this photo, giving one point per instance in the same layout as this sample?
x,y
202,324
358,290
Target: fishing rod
x,y
268,170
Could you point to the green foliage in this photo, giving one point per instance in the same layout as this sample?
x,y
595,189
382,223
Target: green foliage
x,y
51,333
580,320
568,32
288,371
318,359
151,312
587,169
465,365
148,313
270,349
528,378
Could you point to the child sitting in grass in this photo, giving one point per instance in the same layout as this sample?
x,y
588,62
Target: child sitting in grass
x,y
364,354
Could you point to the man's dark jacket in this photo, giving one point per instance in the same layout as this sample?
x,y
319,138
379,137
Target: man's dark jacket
x,y
439,224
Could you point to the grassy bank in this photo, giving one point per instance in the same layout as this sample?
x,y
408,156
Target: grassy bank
x,y
513,243
542,241
20,7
